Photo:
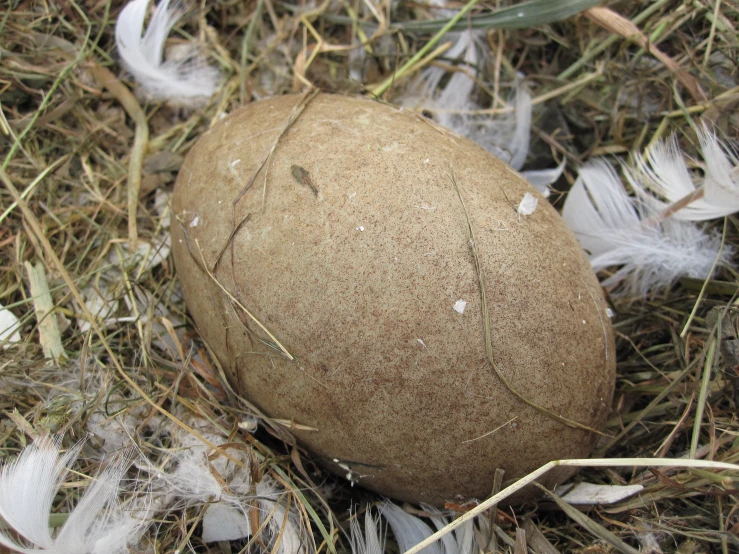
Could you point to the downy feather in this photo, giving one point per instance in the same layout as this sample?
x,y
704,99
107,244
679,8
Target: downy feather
x,y
506,136
528,204
661,177
617,231
199,477
188,81
28,486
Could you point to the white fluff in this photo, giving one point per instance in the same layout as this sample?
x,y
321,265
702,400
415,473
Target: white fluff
x,y
28,486
222,522
506,136
194,481
187,81
528,204
616,231
662,177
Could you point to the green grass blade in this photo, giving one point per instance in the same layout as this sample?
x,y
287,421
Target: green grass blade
x,y
519,16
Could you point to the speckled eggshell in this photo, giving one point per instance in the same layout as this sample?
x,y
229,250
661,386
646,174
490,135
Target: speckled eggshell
x,y
359,282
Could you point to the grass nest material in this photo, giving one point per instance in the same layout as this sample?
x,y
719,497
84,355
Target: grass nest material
x,y
105,339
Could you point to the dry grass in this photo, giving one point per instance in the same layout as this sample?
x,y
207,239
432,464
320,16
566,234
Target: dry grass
x,y
70,138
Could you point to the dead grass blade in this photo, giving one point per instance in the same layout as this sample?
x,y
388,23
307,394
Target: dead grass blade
x,y
136,160
488,334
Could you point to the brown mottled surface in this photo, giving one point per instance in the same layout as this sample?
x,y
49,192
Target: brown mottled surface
x,y
359,281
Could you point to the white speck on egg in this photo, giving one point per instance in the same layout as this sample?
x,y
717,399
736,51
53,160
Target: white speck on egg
x,y
422,343
235,162
459,306
584,321
352,195
427,160
360,228
195,221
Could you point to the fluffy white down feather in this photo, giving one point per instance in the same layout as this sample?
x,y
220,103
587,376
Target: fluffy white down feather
x,y
662,177
616,231
28,485
187,81
199,477
506,136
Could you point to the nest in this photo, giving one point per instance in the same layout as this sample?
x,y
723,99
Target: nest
x,y
104,348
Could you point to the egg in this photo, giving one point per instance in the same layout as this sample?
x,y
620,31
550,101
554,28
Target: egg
x,y
347,262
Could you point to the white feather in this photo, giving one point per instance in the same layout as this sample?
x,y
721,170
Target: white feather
x,y
662,177
188,81
28,486
590,493
722,173
597,206
505,136
618,232
9,325
460,541
540,179
519,147
369,542
408,529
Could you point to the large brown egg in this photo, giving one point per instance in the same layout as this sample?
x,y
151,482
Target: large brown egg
x,y
352,249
